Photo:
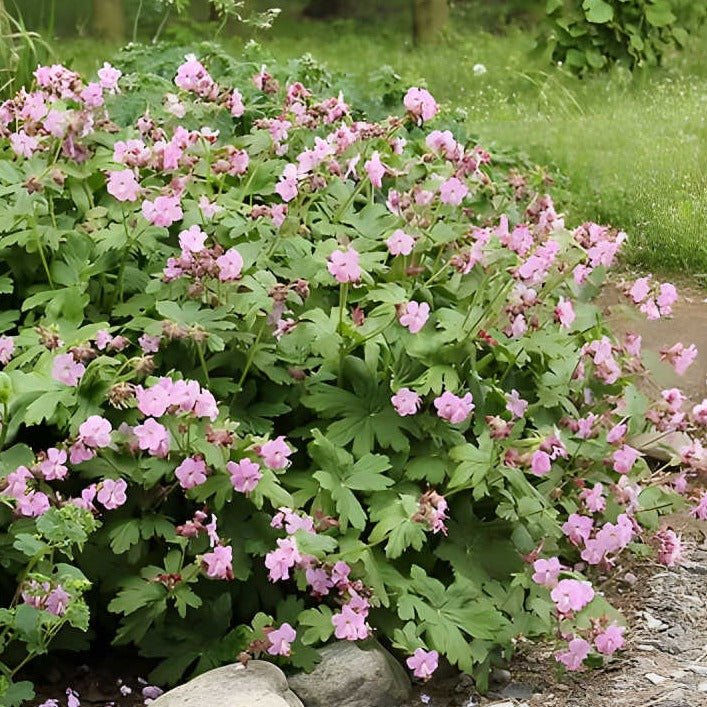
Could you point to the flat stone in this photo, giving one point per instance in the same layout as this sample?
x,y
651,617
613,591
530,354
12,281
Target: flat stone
x,y
655,678
261,684
517,691
702,687
353,675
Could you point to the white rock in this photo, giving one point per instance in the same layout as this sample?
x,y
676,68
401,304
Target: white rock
x,y
352,675
261,684
702,687
655,678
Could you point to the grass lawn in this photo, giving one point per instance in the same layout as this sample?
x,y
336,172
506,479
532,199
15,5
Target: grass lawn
x,y
634,148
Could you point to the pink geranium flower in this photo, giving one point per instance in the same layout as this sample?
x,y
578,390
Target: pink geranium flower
x,y
453,191
406,402
680,357
546,572
564,313
540,463
577,650
111,493
287,185
453,408
280,561
275,453
95,432
375,170
192,240
414,315
420,104
191,472
423,663
571,595
344,265
152,437
400,243
245,475
123,185
53,467
219,562
163,211
610,640
230,265
7,348
67,370
109,76
624,459
280,640
515,404
349,624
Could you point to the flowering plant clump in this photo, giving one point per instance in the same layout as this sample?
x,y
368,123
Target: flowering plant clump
x,y
285,375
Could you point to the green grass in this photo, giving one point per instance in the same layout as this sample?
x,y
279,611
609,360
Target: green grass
x,y
633,148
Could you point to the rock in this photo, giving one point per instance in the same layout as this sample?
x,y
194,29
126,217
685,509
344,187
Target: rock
x,y
655,678
500,676
261,684
702,687
353,675
517,691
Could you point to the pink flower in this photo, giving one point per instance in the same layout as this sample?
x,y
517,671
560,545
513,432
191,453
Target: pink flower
x,y
245,475
624,459
152,401
669,547
564,313
414,316
667,297
281,560
349,624
680,357
546,572
578,528
7,348
700,510
153,437
287,186
400,243
58,601
616,433
344,265
571,595
92,95
453,191
33,505
23,145
594,500
109,77
515,404
208,209
17,482
103,338
610,640
235,103
95,432
163,211
699,413
123,185
230,265
280,640
52,468
191,472
406,402
319,580
72,698
149,344
275,453
67,370
193,76
540,463
632,344
453,408
112,493
79,452
577,650
192,240
640,289
423,663
219,562
375,170
420,103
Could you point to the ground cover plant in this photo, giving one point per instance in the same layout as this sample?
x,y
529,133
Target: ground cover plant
x,y
277,374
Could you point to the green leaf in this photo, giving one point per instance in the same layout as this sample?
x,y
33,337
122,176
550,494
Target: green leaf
x,y
475,462
598,11
659,14
124,535
318,623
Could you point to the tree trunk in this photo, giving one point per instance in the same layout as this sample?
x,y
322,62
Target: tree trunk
x,y
109,19
324,9
428,19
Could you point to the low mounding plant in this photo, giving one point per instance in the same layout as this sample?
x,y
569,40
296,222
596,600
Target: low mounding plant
x,y
587,35
276,374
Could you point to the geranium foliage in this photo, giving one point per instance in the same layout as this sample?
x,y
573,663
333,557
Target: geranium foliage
x,y
275,374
